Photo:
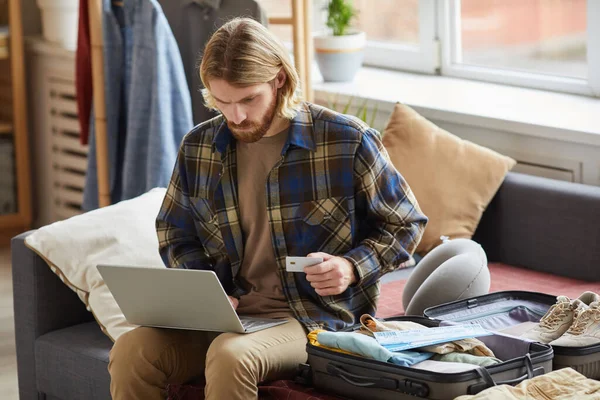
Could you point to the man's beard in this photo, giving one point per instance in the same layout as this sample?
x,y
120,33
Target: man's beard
x,y
250,132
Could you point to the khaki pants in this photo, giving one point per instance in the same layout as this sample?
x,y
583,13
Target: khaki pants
x,y
145,360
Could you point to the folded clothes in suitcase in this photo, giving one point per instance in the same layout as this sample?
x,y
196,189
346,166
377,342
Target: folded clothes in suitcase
x,y
502,310
356,377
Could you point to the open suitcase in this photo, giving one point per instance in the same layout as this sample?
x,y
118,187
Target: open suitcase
x,y
501,310
356,377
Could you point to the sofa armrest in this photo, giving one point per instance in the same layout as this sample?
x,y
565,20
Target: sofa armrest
x,y
544,224
42,303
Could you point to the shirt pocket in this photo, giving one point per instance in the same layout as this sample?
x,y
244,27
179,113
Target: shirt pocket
x,y
207,224
327,225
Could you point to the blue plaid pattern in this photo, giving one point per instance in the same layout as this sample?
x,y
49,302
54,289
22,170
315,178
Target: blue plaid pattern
x,y
334,190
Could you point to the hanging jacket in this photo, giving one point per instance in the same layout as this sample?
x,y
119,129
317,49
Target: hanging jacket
x,y
83,73
193,22
148,107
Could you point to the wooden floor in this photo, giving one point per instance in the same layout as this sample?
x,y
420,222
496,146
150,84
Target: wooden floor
x,y
8,362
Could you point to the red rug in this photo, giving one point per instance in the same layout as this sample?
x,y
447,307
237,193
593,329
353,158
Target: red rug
x,y
504,277
288,390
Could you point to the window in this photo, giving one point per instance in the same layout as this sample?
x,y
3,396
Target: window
x,y
544,37
400,34
405,14
546,44
409,43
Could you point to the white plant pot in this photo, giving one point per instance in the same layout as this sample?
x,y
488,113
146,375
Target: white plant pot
x,y
339,57
60,21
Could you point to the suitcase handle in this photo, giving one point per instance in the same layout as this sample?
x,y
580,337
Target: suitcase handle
x,y
406,385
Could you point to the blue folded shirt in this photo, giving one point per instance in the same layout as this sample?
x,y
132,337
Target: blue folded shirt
x,y
367,346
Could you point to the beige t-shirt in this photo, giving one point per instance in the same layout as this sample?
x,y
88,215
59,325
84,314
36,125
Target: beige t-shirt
x,y
259,270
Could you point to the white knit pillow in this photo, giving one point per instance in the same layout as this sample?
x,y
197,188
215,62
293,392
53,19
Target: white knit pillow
x,y
120,234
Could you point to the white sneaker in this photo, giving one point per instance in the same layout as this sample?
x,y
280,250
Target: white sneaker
x,y
589,297
556,321
584,331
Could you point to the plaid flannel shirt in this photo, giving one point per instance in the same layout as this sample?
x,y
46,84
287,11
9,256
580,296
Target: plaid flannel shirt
x,y
334,190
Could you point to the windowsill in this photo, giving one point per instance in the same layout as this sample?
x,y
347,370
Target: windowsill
x,y
518,110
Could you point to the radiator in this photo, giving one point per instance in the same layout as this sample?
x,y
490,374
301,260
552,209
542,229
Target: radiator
x,y
69,157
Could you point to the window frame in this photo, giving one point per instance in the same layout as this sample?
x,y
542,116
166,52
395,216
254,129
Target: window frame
x,y
593,45
449,34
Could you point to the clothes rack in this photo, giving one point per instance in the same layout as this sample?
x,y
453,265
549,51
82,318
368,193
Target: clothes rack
x,y
96,44
302,43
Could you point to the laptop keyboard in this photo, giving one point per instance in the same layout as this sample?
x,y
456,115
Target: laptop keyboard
x,y
250,323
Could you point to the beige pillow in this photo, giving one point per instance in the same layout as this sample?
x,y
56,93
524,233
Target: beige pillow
x,y
453,179
121,234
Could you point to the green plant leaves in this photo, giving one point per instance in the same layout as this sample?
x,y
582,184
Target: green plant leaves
x,y
361,113
339,16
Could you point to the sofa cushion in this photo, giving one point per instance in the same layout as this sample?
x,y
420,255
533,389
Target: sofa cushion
x,y
120,234
453,179
72,363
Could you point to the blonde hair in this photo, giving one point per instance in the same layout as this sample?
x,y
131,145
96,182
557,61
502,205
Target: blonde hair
x,y
244,53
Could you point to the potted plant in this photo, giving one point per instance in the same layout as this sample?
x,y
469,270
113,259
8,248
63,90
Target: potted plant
x,y
340,51
59,21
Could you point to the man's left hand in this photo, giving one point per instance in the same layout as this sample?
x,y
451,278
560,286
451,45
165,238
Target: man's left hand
x,y
332,276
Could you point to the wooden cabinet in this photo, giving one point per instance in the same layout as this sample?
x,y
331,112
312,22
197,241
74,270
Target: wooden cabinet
x,y
15,187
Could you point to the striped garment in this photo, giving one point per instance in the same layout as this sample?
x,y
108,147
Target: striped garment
x,y
334,191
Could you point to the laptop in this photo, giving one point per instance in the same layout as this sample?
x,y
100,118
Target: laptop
x,y
177,298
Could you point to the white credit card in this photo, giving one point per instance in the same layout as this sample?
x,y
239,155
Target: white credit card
x,y
297,264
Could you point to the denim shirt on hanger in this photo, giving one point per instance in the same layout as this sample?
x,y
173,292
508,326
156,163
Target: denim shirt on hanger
x,y
148,107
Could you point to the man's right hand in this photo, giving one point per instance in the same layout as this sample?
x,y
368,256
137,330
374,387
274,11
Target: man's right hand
x,y
234,302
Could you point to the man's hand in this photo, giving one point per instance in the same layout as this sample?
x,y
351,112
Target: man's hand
x,y
234,302
332,276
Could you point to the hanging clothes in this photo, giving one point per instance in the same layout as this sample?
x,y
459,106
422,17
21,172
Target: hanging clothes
x,y
193,22
148,107
83,73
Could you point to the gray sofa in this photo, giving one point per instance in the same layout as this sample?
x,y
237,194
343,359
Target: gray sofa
x,y
532,222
